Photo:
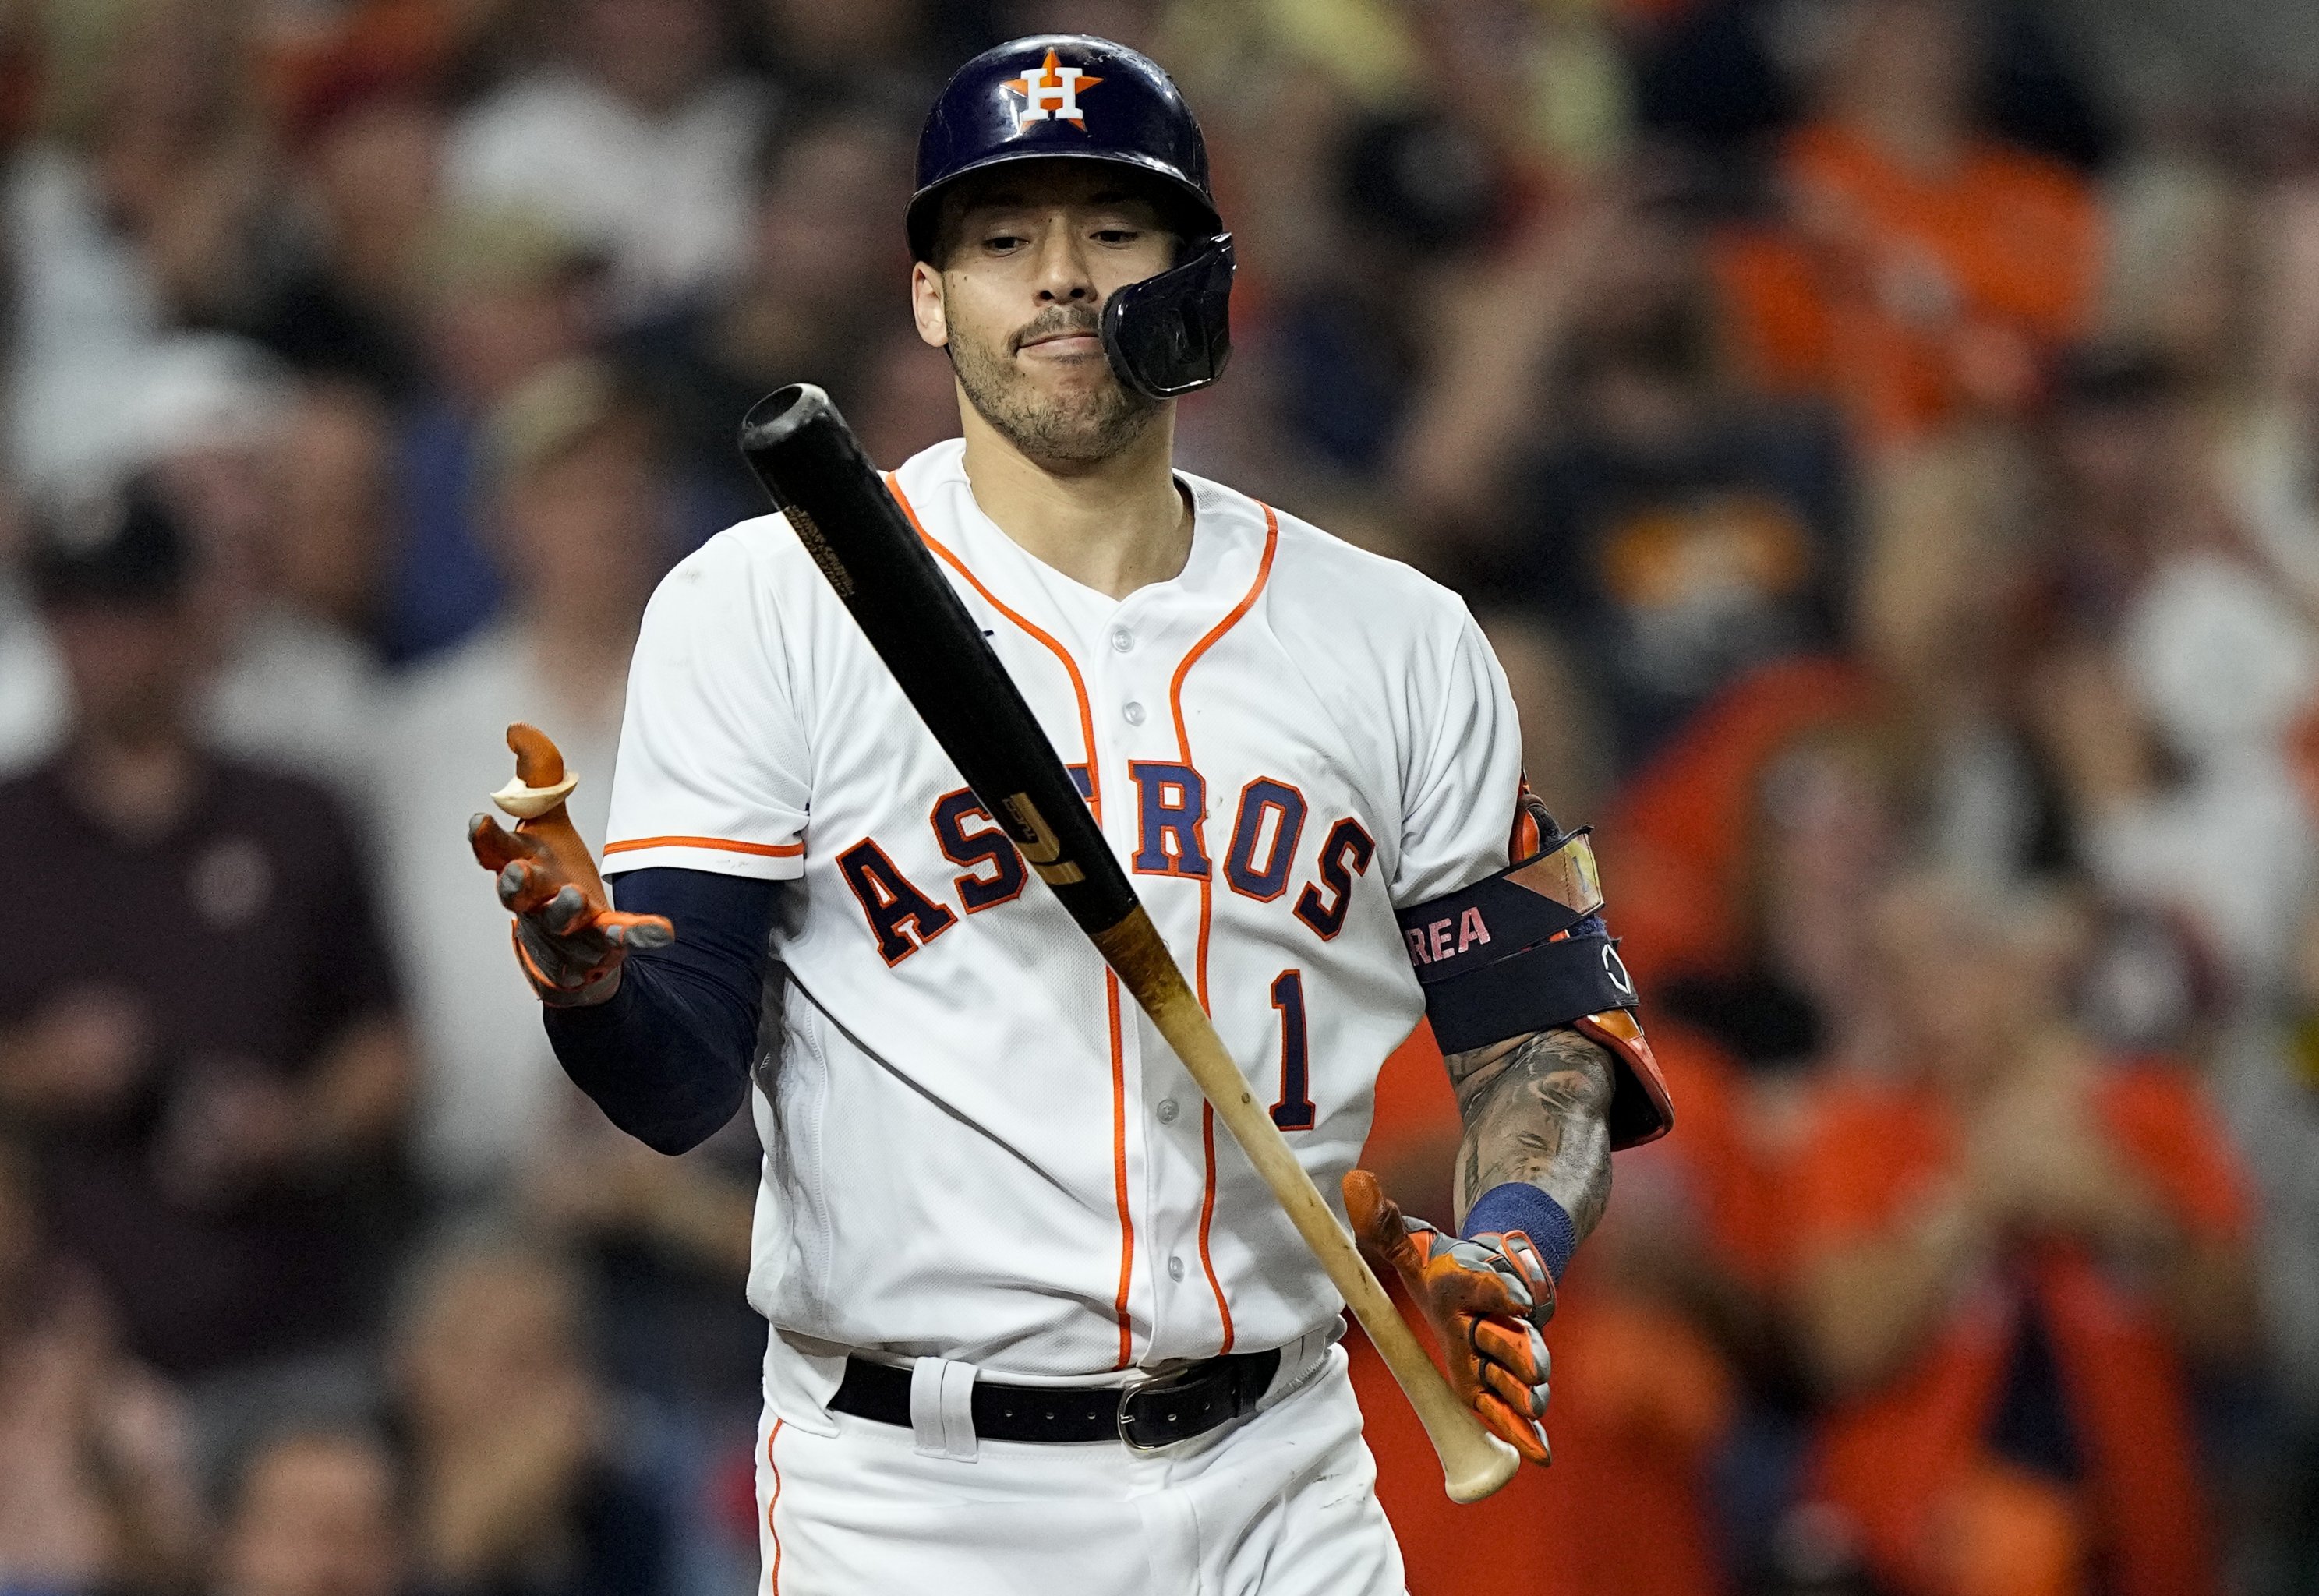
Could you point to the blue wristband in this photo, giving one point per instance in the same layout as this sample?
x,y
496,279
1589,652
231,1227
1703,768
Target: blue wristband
x,y
1515,1207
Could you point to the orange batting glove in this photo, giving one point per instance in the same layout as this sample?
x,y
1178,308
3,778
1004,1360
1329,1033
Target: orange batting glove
x,y
1486,1298
570,942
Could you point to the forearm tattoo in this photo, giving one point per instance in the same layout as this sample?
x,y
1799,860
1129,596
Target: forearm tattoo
x,y
1536,1110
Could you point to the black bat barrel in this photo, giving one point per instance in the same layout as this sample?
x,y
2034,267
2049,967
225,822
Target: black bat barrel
x,y
809,462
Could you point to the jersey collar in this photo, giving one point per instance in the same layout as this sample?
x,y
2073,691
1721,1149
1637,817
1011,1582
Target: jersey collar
x,y
1228,536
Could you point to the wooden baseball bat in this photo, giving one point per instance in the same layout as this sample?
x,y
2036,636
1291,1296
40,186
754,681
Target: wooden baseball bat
x,y
806,458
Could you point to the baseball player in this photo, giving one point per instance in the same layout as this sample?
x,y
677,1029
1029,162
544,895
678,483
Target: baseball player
x,y
1033,1325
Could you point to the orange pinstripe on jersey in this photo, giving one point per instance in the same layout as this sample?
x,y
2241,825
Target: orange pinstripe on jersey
x,y
1119,1170
1110,981
721,844
1070,665
1207,900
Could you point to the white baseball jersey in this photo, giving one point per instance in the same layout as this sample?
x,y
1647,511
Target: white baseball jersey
x,y
976,1148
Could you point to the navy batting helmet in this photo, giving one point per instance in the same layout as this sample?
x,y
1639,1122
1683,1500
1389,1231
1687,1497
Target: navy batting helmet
x,y
1073,96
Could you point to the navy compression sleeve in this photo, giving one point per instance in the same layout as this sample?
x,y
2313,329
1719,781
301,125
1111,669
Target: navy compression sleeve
x,y
667,1056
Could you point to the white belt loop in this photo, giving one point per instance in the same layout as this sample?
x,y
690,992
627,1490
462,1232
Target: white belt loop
x,y
941,1409
1300,1360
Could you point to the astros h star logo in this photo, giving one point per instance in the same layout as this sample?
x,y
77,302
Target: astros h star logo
x,y
1051,93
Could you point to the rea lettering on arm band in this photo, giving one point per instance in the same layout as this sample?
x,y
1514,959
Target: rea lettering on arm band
x,y
1515,1207
1519,951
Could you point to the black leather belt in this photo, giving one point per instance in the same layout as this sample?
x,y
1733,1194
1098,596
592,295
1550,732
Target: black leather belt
x,y
1176,1407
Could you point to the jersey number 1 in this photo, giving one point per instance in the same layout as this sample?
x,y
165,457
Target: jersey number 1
x,y
1293,1111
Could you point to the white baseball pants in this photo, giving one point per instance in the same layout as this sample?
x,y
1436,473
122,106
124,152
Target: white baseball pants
x,y
1282,1503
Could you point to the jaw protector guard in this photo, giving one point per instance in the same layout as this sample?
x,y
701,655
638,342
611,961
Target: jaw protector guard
x,y
1172,333
1525,951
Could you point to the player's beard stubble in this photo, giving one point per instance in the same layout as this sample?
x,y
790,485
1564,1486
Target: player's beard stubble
x,y
1074,429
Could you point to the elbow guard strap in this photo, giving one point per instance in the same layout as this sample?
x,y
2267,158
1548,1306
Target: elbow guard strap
x,y
1526,951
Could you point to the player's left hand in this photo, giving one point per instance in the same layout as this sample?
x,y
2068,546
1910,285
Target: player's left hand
x,y
1486,1298
569,942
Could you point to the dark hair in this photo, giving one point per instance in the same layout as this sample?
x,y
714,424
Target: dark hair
x,y
1676,343
118,548
2114,377
1425,180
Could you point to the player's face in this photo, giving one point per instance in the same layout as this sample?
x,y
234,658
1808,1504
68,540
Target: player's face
x,y
1030,255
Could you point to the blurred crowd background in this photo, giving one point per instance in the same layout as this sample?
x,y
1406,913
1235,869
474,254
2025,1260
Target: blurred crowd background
x,y
1880,436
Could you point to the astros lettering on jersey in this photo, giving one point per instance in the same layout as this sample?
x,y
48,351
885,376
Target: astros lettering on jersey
x,y
977,1150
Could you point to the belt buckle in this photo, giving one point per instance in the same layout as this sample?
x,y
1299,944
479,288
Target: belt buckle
x,y
1130,1423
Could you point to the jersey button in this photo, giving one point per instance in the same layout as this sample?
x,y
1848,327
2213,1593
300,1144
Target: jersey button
x,y
1133,712
1166,1111
1122,639
1175,1268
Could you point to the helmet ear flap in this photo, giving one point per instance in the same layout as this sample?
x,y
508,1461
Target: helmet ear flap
x,y
1171,333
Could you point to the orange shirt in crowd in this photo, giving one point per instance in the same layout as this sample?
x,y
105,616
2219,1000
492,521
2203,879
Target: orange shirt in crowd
x,y
1907,1460
1676,851
1906,296
1639,1398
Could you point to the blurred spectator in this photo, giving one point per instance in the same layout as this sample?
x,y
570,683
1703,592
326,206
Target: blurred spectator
x,y
571,486
823,278
2267,1078
1923,271
909,400
1419,197
2181,261
365,188
1949,618
96,1494
299,671
883,56
280,493
2176,668
635,140
516,1490
315,1512
138,218
1684,837
505,295
204,1038
1668,1323
1583,439
667,1243
2014,1253
1722,75
333,495
1825,827
2271,459
2127,489
208,423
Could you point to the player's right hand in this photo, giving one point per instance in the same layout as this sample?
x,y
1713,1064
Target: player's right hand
x,y
570,944
1486,1298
